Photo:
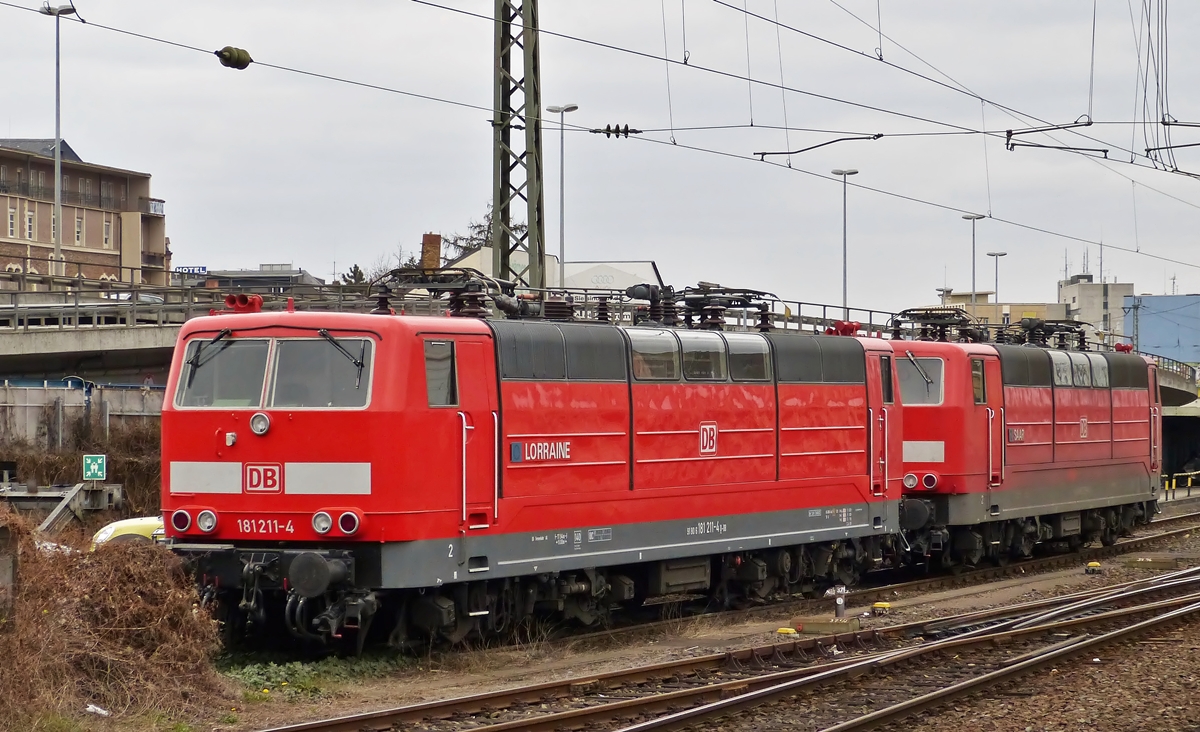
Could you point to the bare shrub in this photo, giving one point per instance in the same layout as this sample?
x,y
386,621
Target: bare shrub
x,y
120,628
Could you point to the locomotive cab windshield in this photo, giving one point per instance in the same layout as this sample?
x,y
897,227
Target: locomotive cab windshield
x,y
283,373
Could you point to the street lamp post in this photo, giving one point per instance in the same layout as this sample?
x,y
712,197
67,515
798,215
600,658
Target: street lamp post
x,y
562,220
996,256
844,174
57,12
973,218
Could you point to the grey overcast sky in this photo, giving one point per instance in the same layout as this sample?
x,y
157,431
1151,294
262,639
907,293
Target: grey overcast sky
x,y
268,166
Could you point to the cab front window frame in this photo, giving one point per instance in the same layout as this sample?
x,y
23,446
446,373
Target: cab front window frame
x,y
200,342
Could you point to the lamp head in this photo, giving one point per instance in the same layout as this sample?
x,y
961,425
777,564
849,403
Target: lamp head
x,y
563,109
60,10
974,217
848,171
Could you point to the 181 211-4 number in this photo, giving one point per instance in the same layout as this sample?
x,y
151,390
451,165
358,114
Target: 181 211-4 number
x,y
265,526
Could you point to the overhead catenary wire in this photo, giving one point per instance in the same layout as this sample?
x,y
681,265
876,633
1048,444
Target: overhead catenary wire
x,y
783,94
749,84
666,57
1092,68
1016,114
722,153
922,201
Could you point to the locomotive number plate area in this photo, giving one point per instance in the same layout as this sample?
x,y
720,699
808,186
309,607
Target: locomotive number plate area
x,y
703,528
266,526
1016,435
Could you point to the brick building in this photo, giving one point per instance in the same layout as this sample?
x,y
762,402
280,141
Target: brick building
x,y
114,229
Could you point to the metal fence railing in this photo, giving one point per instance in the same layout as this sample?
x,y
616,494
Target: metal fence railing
x,y
1173,482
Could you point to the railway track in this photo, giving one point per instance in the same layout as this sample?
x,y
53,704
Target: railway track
x,y
687,692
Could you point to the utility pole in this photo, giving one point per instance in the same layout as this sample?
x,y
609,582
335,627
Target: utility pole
x,y
973,218
517,165
57,12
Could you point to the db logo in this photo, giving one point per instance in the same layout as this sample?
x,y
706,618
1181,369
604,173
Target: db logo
x,y
262,478
708,438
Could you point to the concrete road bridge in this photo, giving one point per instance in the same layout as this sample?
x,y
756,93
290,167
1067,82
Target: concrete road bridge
x,y
125,333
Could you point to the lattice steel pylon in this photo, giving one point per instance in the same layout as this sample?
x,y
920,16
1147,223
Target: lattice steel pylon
x,y
517,171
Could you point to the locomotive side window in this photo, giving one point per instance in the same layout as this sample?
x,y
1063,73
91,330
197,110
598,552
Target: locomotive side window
x,y
703,356
1099,370
749,357
594,353
1062,368
224,372
441,382
322,373
531,351
1081,369
920,380
978,381
655,354
885,374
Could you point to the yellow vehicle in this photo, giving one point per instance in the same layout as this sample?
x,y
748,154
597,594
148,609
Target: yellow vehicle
x,y
146,530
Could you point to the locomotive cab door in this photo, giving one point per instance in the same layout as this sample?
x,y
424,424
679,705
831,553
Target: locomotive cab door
x,y
881,401
987,417
461,381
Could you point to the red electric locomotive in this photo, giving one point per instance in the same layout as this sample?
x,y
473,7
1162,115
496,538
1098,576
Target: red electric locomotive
x,y
465,473
1011,445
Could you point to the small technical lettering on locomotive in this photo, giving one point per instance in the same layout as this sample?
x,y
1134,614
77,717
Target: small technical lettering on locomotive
x,y
1016,435
540,451
599,534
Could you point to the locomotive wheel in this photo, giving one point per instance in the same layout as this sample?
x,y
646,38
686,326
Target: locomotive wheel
x,y
1110,532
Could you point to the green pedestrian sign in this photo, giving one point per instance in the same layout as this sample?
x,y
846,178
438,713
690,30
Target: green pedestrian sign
x,y
95,467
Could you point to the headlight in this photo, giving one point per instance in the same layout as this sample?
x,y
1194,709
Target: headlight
x,y
181,520
104,534
322,522
348,523
910,481
206,521
930,481
260,423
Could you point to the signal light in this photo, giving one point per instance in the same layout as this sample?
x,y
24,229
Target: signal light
x,y
930,481
234,58
206,521
260,423
910,481
322,522
348,523
181,520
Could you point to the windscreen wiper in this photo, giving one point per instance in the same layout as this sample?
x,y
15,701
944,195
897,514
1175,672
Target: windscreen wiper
x,y
194,361
921,371
356,361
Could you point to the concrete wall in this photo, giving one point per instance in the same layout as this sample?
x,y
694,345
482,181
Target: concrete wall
x,y
44,415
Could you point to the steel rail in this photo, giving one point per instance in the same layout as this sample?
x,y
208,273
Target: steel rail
x,y
724,707
567,688
1036,661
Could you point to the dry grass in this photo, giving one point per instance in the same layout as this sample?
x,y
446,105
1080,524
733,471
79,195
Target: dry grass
x,y
119,628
